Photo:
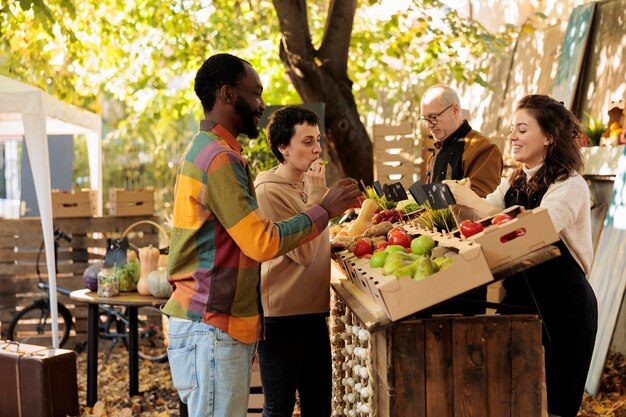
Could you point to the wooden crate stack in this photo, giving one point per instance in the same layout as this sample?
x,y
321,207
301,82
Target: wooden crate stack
x,y
20,240
394,154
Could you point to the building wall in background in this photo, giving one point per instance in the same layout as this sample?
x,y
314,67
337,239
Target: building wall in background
x,y
61,155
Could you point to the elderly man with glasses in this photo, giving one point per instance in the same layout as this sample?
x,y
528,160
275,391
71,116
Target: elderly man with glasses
x,y
461,152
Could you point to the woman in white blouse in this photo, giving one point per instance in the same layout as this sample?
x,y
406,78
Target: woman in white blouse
x,y
544,139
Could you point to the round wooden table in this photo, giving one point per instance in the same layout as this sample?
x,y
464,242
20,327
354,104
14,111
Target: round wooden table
x,y
131,300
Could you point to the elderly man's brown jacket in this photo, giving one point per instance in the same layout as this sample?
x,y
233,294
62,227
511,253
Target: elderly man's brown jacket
x,y
481,160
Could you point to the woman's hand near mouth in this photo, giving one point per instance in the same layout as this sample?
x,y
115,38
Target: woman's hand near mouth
x,y
315,181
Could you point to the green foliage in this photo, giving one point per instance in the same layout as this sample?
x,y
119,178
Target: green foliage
x,y
593,128
134,63
258,153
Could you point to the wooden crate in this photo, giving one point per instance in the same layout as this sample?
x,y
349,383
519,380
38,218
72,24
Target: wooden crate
x,y
82,203
490,366
487,366
394,155
20,240
131,203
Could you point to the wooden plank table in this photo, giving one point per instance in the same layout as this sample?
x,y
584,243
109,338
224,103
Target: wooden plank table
x,y
131,300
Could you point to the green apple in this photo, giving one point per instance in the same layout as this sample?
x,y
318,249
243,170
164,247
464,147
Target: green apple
x,y
395,248
423,244
378,259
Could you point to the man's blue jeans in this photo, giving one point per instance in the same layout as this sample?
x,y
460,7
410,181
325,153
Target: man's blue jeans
x,y
210,369
295,356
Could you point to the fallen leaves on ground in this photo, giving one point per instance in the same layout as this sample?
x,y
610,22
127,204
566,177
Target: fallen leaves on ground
x,y
159,398
611,399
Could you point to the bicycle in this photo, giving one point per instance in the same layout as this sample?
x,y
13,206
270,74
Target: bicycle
x,y
33,323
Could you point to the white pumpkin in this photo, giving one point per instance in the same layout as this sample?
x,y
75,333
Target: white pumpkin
x,y
158,285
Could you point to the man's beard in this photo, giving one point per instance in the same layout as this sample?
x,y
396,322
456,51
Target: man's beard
x,y
247,115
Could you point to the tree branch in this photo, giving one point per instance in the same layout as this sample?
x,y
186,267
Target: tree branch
x,y
294,27
336,42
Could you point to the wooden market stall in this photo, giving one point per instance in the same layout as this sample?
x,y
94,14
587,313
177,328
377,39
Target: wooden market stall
x,y
390,363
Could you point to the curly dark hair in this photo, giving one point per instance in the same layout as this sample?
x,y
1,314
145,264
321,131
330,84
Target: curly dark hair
x,y
283,124
218,70
563,157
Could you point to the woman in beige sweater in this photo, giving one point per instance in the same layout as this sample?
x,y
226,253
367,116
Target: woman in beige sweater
x,y
295,288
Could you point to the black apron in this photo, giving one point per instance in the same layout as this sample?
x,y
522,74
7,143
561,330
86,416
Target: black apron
x,y
559,292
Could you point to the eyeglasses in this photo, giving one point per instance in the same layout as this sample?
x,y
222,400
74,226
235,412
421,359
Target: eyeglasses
x,y
434,118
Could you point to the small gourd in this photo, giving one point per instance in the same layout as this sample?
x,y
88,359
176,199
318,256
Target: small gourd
x,y
148,262
364,220
158,285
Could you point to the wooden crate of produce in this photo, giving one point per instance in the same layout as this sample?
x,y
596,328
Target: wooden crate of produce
x,y
74,204
131,203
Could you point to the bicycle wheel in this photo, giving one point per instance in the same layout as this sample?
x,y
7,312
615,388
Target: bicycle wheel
x,y
152,333
33,325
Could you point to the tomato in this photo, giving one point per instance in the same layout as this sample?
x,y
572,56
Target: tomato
x,y
399,238
362,247
469,228
380,246
395,229
513,235
501,218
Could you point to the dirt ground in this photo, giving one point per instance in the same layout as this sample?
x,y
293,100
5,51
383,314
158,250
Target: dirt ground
x,y
159,399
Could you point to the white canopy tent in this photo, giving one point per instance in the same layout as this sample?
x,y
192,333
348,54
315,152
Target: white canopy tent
x,y
30,112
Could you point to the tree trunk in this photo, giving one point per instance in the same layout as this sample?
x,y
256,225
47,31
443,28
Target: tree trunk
x,y
321,76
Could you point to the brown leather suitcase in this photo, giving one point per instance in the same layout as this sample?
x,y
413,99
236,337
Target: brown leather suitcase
x,y
37,381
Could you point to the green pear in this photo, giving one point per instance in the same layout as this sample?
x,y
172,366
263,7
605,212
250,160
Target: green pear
x,y
406,271
423,268
443,262
391,266
400,256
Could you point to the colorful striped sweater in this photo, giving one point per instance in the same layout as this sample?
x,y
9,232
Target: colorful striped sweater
x,y
220,237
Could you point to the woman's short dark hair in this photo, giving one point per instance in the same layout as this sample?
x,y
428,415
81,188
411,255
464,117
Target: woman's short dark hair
x,y
218,70
283,124
563,157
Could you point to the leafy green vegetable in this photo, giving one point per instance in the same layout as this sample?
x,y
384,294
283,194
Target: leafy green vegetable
x,y
128,275
442,219
381,201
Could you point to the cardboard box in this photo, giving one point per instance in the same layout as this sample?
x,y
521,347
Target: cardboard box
x,y
131,203
75,204
536,226
405,296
